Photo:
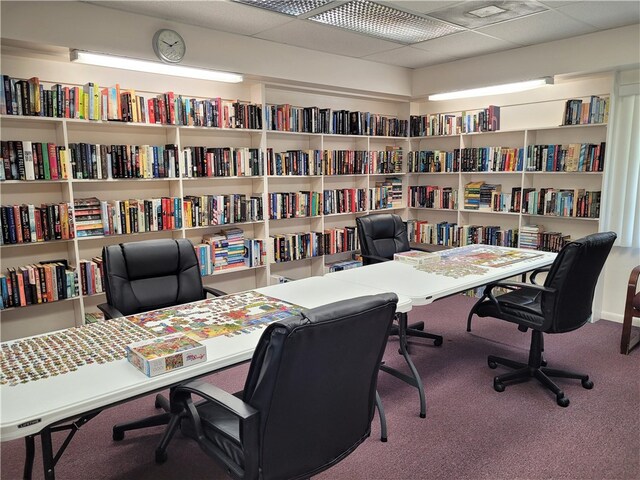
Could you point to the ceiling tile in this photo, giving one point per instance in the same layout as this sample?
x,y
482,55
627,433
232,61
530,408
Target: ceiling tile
x,y
465,44
420,6
383,21
409,57
538,28
224,16
462,14
306,34
604,14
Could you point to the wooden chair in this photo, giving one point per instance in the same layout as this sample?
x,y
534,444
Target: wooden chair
x,y
631,310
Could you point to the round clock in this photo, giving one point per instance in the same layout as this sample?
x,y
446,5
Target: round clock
x,y
169,46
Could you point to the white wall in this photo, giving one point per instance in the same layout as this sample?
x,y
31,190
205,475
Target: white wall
x,y
90,27
608,50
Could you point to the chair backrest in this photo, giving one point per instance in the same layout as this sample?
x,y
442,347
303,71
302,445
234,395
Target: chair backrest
x,y
382,235
150,274
574,275
313,379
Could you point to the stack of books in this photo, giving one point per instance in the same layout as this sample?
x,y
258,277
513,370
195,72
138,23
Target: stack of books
x,y
472,195
88,217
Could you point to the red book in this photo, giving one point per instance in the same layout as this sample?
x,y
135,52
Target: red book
x,y
162,111
38,220
18,222
152,113
23,298
53,161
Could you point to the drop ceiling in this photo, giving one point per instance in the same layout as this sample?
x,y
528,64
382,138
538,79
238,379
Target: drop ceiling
x,y
406,33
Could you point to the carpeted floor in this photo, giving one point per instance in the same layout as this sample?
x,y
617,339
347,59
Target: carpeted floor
x,y
471,431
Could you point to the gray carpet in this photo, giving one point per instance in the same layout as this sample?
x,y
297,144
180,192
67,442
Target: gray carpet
x,y
471,431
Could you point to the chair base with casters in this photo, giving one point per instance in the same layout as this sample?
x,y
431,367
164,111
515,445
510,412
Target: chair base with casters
x,y
535,369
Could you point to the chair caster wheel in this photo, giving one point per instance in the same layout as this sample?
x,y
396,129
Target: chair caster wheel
x,y
492,364
157,404
586,383
161,457
437,342
562,400
117,435
498,386
543,363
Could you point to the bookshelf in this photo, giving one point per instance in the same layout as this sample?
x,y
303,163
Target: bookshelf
x,y
525,122
436,164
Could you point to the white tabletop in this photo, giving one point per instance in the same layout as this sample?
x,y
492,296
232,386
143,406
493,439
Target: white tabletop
x,y
37,404
316,291
424,287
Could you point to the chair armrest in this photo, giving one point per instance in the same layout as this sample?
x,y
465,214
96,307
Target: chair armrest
x,y
633,284
109,311
532,276
210,392
249,423
516,285
214,291
375,258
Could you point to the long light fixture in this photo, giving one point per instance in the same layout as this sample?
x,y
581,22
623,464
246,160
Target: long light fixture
x,y
493,90
125,63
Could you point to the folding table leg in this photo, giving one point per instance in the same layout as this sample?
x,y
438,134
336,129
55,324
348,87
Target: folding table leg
x,y
414,379
47,454
30,451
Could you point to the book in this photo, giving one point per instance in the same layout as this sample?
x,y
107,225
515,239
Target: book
x,y
163,354
416,257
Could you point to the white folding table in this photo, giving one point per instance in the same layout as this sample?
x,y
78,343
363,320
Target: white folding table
x,y
42,407
424,287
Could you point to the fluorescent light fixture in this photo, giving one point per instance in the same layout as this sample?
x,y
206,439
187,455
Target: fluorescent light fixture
x,y
493,90
112,61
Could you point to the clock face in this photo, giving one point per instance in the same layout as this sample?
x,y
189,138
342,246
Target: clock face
x,y
169,46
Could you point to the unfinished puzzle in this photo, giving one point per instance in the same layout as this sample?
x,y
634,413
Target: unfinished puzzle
x,y
229,315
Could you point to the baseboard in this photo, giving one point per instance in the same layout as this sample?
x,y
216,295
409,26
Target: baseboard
x,y
616,317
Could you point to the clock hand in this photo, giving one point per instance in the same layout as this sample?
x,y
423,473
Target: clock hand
x,y
167,43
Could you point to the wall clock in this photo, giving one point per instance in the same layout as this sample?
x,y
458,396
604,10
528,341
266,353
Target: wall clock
x,y
169,46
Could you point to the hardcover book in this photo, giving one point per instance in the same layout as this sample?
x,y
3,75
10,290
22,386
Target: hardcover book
x,y
163,354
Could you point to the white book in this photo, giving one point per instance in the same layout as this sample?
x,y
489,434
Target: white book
x,y
27,151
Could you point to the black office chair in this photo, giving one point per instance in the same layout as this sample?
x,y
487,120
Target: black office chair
x,y
147,275
561,305
381,235
309,396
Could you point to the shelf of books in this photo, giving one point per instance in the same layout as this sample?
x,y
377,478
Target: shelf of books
x,y
473,178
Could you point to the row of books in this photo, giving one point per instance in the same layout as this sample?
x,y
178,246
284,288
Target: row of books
x,y
343,265
334,162
342,239
207,210
294,204
535,238
490,159
96,161
27,223
289,118
439,124
432,161
27,160
561,202
297,246
579,112
91,274
429,196
29,97
572,157
345,200
200,161
45,282
454,235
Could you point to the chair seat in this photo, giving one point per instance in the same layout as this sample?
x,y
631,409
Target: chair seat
x,y
515,306
221,428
